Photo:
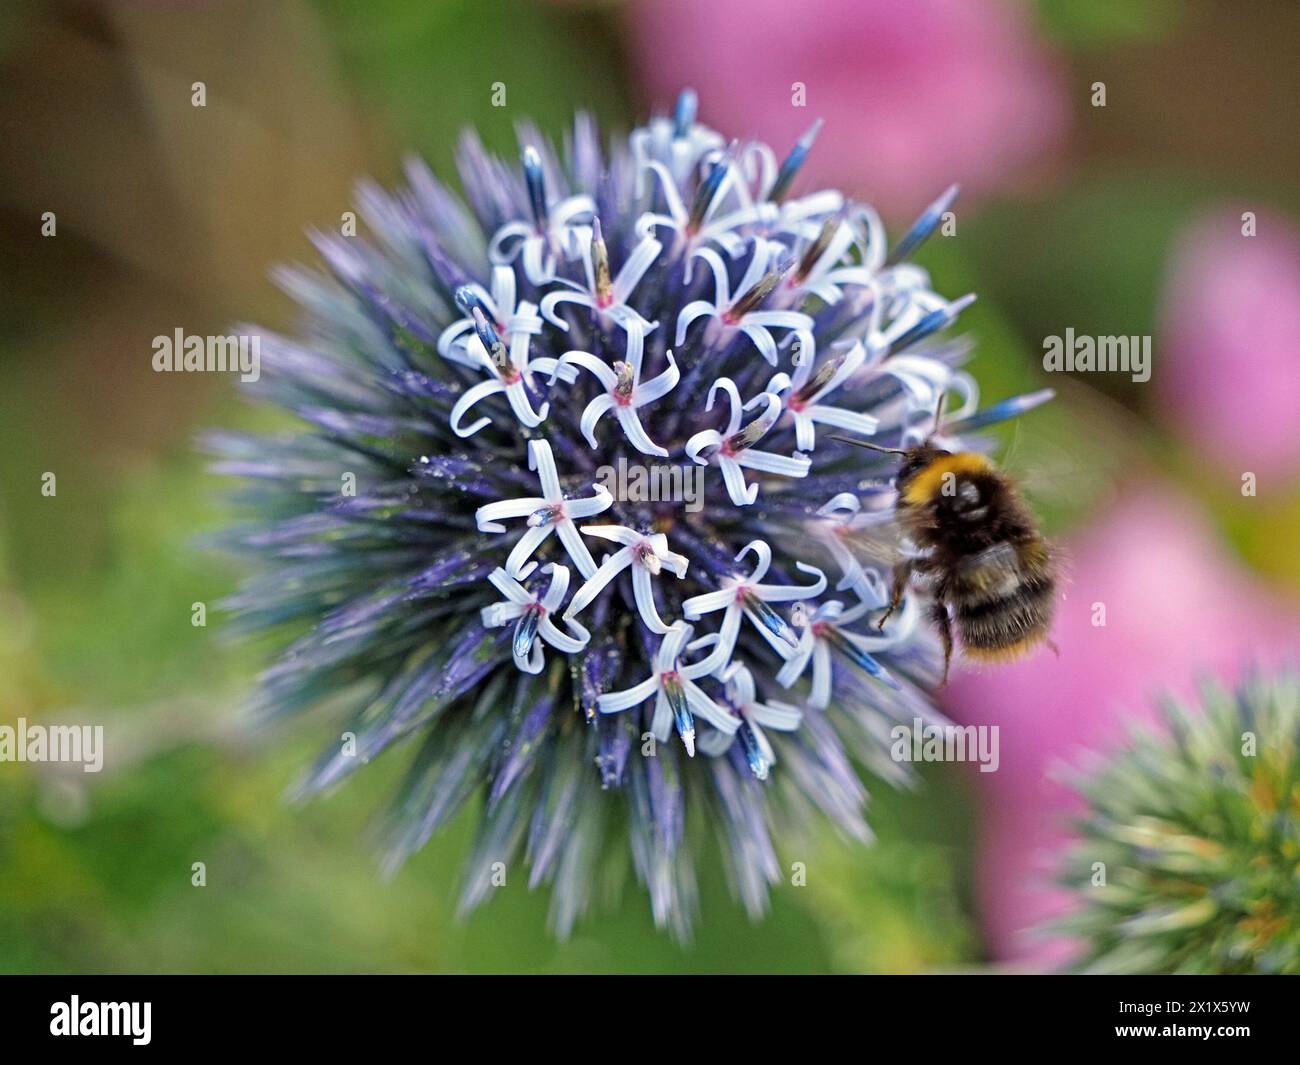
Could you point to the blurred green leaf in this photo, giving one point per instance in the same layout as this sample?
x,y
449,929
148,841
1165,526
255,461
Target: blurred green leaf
x,y
1084,23
430,68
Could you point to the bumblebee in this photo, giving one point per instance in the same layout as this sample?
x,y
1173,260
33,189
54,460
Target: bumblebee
x,y
992,575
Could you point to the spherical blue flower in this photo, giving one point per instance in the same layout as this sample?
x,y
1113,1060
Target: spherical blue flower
x,y
570,518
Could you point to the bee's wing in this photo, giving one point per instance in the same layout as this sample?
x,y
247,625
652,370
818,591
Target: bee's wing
x,y
994,572
881,540
1051,476
1046,462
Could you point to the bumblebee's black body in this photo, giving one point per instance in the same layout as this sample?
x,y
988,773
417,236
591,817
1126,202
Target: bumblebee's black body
x,y
981,553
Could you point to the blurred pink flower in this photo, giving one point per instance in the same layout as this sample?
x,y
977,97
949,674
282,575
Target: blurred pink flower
x,y
1176,609
916,94
1227,360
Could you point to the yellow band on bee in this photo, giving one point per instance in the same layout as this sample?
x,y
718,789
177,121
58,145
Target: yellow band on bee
x,y
1006,653
926,484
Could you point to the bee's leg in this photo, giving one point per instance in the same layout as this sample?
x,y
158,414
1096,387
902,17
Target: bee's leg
x,y
902,574
939,615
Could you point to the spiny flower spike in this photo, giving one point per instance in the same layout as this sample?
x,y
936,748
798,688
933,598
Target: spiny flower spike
x,y
741,311
532,615
552,230
1190,843
739,696
923,227
733,450
606,296
792,164
677,697
488,589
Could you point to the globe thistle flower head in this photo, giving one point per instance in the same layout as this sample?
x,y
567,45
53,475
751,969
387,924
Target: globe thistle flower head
x,y
1191,842
615,670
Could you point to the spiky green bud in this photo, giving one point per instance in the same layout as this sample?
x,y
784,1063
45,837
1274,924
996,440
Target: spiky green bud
x,y
1189,860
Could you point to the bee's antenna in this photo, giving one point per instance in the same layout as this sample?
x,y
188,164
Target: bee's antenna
x,y
938,412
863,443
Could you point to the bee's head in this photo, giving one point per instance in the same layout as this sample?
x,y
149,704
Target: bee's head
x,y
916,459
